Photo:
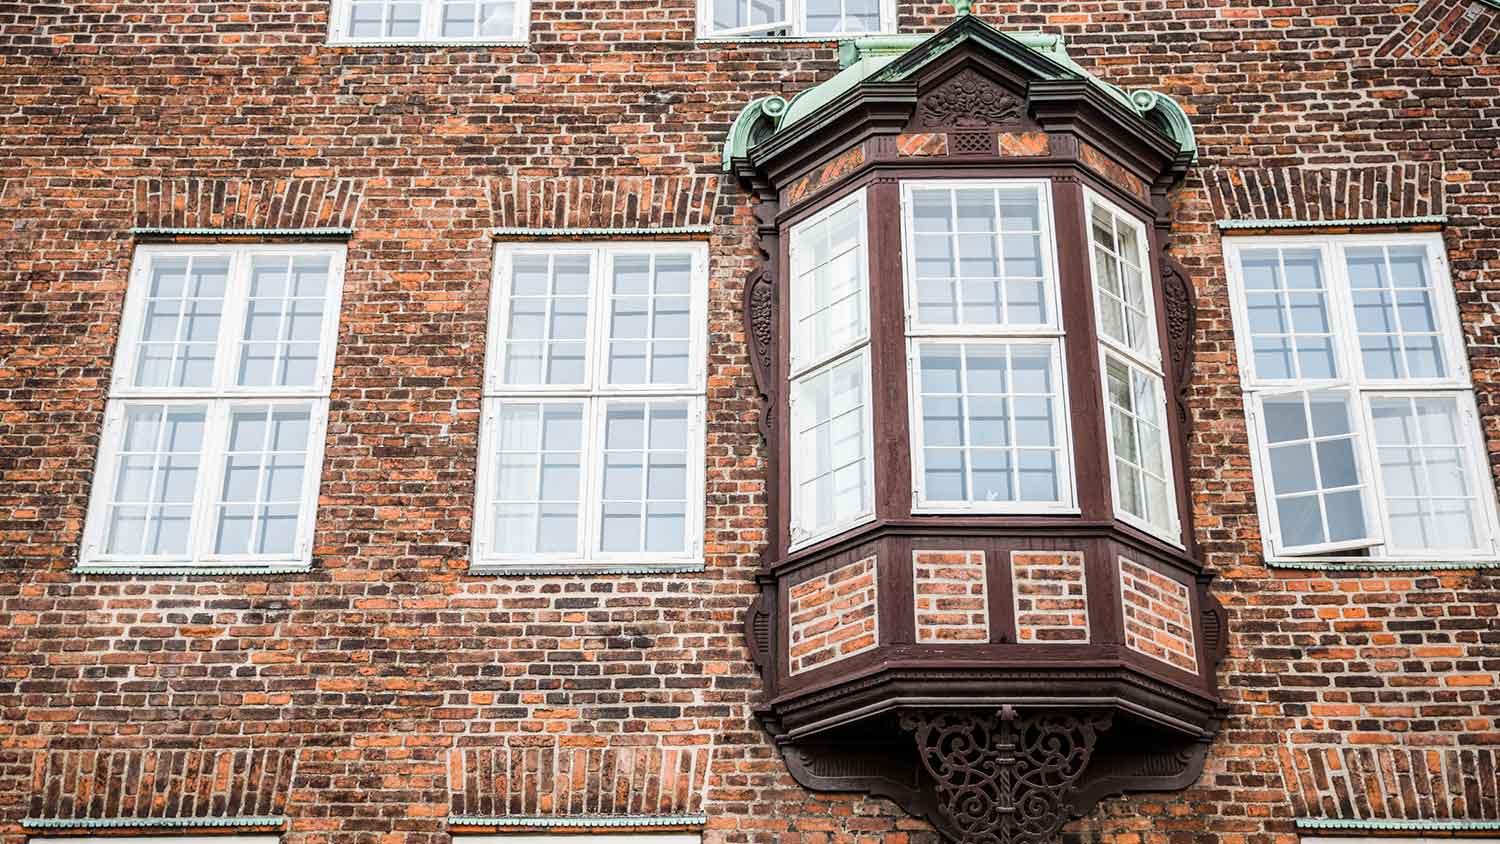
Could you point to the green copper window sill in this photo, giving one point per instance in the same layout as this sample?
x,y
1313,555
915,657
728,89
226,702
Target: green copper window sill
x,y
259,822
577,821
570,569
1390,825
397,44
166,231
191,571
1384,565
599,231
1427,219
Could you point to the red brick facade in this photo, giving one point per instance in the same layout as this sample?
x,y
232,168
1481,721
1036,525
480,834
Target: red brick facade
x,y
832,616
387,689
952,596
1051,599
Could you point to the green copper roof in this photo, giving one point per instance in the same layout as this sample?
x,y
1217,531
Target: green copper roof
x,y
893,58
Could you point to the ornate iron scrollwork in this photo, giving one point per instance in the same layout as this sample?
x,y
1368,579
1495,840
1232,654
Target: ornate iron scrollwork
x,y
1002,778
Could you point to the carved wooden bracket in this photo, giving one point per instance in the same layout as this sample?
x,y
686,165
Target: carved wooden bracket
x,y
1181,313
1002,778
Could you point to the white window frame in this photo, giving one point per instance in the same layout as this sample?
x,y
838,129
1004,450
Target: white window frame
x,y
799,538
1050,334
219,402
792,27
1150,363
430,29
1457,384
596,397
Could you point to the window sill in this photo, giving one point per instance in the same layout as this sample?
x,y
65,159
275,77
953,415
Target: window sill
x,y
1381,565
380,43
177,570
501,569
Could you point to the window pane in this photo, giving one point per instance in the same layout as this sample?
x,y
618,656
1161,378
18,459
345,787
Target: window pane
x,y
156,476
645,477
833,449
979,257
991,426
1138,443
650,320
265,468
828,301
1395,312
1121,281
1424,474
180,322
547,327
1290,325
537,477
283,327
1316,479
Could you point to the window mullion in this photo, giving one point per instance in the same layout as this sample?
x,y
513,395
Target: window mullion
x,y
591,480
227,347
212,451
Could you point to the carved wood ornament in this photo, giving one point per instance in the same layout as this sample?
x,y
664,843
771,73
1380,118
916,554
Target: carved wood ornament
x,y
970,99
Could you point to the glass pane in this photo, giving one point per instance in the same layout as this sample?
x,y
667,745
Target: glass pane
x,y
538,477
156,476
180,322
547,321
978,257
265,468
830,442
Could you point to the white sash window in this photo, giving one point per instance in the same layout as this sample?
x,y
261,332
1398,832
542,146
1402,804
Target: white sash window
x,y
214,430
1366,439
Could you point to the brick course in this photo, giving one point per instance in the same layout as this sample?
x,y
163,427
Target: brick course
x,y
832,616
1158,618
1051,597
1344,689
951,594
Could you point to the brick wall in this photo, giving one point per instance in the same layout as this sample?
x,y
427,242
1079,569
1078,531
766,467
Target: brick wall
x,y
1346,690
832,616
1158,616
952,596
1051,597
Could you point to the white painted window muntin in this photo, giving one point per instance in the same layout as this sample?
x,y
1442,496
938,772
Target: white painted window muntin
x,y
806,453
231,322
1141,360
1046,236
595,394
806,273
1145,346
1169,529
924,502
431,17
1048,332
1311,439
219,398
809,367
1456,383
794,21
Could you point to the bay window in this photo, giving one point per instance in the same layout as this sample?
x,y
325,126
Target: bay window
x,y
832,473
213,433
592,440
1362,413
989,410
1134,384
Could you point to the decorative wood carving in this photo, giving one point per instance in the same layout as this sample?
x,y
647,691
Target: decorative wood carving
x,y
758,629
969,99
1177,290
1002,778
761,328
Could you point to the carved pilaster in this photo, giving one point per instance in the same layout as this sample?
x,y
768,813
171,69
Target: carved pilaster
x,y
1177,291
1003,778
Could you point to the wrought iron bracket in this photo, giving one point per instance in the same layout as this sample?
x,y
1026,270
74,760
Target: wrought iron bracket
x,y
1004,778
